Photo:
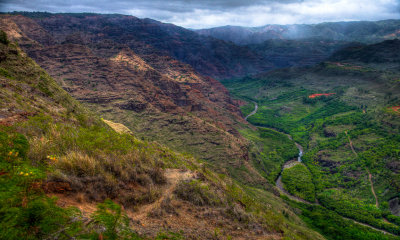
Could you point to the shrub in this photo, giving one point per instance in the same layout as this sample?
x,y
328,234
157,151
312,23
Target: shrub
x,y
3,37
115,223
5,73
25,213
196,193
169,235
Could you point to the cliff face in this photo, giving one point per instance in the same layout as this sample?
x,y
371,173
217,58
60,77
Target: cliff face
x,y
209,56
131,82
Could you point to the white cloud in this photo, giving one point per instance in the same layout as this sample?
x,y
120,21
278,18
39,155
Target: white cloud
x,y
309,11
212,13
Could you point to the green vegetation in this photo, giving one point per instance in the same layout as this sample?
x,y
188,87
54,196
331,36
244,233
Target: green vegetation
x,y
116,223
22,209
47,138
27,213
5,73
196,193
247,109
360,110
356,209
333,226
3,38
99,152
270,150
297,180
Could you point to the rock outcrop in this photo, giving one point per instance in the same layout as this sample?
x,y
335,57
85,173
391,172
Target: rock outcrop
x,y
126,80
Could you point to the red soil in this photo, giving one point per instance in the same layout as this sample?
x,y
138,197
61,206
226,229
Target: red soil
x,y
320,94
396,108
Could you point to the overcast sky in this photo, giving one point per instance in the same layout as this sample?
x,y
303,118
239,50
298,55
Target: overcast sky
x,y
212,13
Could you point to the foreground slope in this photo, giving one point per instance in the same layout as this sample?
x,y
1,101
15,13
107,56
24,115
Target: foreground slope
x,y
51,144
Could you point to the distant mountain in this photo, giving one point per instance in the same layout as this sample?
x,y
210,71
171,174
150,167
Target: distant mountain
x,y
361,31
304,52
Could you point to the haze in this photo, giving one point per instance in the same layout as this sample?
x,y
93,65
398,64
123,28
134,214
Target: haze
x,y
212,13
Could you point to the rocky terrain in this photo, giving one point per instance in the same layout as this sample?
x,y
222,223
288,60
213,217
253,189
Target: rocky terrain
x,y
156,96
122,119
207,55
67,174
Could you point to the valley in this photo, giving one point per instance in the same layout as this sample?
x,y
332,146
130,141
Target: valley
x,y
289,164
117,127
350,141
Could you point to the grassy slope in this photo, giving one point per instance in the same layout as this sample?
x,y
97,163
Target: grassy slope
x,y
66,144
364,95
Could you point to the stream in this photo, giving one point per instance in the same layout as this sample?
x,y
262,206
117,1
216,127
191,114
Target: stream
x,y
253,112
291,163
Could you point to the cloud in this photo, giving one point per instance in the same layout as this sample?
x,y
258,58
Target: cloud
x,y
212,13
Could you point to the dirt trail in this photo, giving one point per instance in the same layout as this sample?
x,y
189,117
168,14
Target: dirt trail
x,y
369,173
372,188
173,177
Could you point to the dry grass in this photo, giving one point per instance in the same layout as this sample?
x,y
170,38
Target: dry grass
x,y
197,193
99,162
78,164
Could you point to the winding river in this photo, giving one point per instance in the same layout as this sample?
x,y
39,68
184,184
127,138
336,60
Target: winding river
x,y
253,112
291,163
288,164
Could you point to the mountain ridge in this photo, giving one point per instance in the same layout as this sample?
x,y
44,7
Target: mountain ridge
x,y
209,56
364,31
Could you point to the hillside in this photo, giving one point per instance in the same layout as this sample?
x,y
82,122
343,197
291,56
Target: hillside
x,y
156,96
113,127
208,56
343,112
384,52
361,31
51,146
304,52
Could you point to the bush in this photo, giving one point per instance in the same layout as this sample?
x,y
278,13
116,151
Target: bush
x,y
3,37
115,223
196,193
5,73
25,213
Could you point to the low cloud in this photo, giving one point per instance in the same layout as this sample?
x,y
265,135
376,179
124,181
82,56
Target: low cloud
x,y
212,13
